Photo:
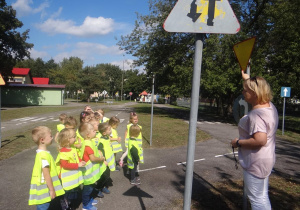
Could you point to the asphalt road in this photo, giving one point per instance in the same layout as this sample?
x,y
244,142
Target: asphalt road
x,y
162,175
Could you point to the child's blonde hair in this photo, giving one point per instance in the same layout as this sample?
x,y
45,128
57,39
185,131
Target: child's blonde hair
x,y
113,121
132,115
62,117
102,127
39,132
71,122
97,115
64,137
134,131
84,129
100,111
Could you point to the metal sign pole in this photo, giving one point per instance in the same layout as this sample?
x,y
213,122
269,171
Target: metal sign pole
x,y
283,116
152,101
193,121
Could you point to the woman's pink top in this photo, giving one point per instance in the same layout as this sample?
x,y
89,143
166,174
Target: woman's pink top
x,y
259,162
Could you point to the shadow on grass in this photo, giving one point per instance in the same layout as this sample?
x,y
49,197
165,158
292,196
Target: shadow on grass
x,y
204,113
8,141
228,194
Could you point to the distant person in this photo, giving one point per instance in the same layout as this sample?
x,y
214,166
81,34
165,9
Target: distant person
x,y
45,185
93,161
88,108
135,154
68,167
62,118
256,142
115,139
103,119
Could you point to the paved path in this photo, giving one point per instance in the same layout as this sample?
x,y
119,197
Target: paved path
x,y
162,175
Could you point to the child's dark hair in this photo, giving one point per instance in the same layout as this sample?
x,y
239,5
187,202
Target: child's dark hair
x,y
83,115
113,121
102,127
134,131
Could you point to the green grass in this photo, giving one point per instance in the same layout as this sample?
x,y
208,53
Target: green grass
x,y
165,122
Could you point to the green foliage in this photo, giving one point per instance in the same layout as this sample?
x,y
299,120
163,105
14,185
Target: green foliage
x,y
13,45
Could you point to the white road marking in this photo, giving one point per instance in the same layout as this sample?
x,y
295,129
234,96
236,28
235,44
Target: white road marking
x,y
122,120
23,119
184,163
38,119
150,169
200,123
226,154
2,127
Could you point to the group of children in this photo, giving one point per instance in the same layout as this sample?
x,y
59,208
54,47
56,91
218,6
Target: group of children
x,y
86,155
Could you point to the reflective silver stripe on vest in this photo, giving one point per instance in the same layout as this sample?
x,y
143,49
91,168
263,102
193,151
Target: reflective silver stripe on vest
x,y
44,186
73,182
110,159
140,142
69,173
117,148
88,166
39,197
86,177
130,162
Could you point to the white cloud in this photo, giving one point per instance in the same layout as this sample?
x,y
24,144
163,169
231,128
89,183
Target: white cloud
x,y
23,7
90,27
86,51
126,62
38,54
56,14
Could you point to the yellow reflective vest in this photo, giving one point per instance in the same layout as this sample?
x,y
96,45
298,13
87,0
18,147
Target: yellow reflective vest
x,y
93,171
59,127
133,142
39,191
109,155
81,150
116,146
70,178
139,138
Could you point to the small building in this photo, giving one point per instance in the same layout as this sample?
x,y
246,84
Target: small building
x,y
23,90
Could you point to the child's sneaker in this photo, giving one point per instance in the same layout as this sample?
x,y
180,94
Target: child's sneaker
x,y
89,207
100,194
93,202
105,190
135,182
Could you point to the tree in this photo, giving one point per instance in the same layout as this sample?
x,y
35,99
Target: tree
x,y
13,45
136,83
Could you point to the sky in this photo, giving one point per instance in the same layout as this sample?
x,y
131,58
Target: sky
x,y
87,29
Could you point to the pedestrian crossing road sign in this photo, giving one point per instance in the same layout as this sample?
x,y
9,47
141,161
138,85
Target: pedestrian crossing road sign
x,y
202,16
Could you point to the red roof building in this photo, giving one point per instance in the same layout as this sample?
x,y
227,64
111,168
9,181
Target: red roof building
x,y
20,76
40,80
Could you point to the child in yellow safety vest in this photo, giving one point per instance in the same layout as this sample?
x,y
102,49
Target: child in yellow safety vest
x,y
105,177
62,118
45,184
68,166
115,139
93,170
135,154
106,149
84,117
133,120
